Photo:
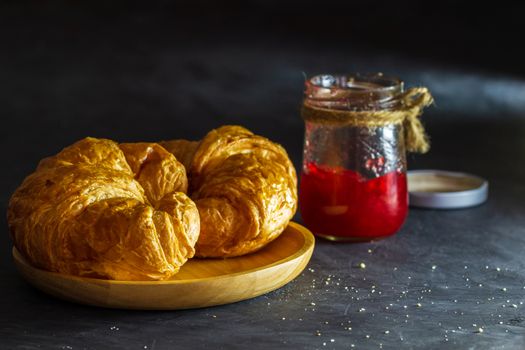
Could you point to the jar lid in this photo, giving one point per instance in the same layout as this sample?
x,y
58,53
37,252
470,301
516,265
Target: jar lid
x,y
445,189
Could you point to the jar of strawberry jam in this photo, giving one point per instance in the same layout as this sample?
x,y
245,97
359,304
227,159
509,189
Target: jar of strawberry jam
x,y
357,129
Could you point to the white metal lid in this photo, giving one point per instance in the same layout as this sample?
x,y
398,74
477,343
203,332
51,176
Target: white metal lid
x,y
445,189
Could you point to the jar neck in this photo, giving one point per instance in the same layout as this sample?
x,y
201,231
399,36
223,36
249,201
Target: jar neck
x,y
356,92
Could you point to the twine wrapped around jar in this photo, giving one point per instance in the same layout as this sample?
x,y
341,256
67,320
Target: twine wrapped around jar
x,y
413,101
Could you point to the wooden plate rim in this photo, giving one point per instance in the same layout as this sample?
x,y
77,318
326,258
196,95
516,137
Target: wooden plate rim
x,y
309,243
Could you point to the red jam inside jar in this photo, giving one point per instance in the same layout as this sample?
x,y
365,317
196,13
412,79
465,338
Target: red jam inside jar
x,y
340,204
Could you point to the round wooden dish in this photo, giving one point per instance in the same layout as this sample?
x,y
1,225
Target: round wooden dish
x,y
200,282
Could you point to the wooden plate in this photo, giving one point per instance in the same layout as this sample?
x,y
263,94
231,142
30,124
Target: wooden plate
x,y
200,282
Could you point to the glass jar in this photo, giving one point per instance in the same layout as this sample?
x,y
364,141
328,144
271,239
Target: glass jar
x,y
353,182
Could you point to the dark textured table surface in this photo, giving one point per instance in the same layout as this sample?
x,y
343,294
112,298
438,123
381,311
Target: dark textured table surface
x,y
442,278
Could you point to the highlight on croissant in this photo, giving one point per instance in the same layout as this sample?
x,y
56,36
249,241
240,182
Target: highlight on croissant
x,y
139,211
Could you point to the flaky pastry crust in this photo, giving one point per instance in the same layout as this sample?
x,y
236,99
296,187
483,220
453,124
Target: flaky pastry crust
x,y
100,209
245,188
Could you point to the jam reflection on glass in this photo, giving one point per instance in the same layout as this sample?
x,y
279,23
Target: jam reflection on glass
x,y
339,203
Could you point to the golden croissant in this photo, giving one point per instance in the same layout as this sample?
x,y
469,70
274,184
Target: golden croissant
x,y
100,209
119,211
245,188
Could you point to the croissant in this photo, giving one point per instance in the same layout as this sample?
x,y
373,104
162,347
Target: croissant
x,y
244,186
100,209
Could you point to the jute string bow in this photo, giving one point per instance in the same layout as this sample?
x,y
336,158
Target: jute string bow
x,y
413,101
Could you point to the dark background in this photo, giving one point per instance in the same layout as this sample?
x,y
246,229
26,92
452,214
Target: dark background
x,y
480,35
470,35
132,71
137,71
